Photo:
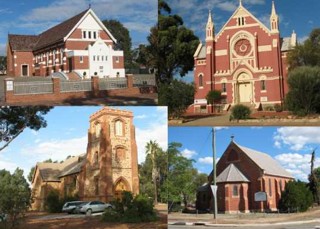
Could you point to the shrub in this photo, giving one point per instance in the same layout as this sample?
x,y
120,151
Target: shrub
x,y
240,112
53,203
278,108
269,108
295,197
131,210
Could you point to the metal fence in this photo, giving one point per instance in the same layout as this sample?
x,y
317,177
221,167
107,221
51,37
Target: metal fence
x,y
112,83
36,87
144,80
74,86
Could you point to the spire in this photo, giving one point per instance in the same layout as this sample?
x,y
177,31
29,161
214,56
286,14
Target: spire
x,y
274,20
210,28
293,39
240,2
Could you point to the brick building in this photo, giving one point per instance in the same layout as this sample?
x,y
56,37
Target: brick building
x,y
77,48
246,61
241,173
109,166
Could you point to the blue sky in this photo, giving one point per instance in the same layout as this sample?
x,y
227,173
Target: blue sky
x,y
33,17
301,16
290,146
66,134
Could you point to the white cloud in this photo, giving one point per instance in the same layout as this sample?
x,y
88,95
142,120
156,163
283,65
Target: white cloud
x,y
303,38
188,153
140,116
297,137
227,6
56,149
297,164
206,160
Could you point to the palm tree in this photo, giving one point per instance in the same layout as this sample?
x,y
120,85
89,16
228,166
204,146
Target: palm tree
x,y
152,148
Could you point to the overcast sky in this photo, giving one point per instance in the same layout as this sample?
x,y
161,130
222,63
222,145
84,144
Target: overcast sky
x,y
34,17
290,146
67,133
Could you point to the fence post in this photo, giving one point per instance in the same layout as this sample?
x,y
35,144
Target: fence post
x,y
8,88
129,80
95,86
56,85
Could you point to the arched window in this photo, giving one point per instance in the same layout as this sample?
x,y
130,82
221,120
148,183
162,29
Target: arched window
x,y
120,153
96,158
96,185
119,128
235,190
200,80
97,128
263,85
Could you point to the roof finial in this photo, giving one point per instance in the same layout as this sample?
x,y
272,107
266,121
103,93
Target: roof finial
x,y
240,2
232,137
89,4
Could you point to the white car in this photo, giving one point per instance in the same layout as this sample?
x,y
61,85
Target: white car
x,y
94,206
70,207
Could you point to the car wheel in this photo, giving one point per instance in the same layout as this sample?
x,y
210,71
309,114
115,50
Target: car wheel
x,y
109,208
89,211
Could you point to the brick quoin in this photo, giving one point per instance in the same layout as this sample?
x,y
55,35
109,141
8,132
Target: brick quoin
x,y
246,61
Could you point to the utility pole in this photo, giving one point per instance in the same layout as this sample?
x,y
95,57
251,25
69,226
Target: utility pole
x,y
214,187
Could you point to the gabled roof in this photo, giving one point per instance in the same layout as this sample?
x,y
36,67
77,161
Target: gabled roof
x,y
22,42
264,161
54,171
58,32
242,10
231,174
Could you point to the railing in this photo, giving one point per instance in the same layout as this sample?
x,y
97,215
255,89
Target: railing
x,y
37,87
144,80
112,83
74,86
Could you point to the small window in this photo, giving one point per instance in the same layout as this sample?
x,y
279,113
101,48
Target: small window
x,y
98,58
106,58
81,59
200,81
96,183
102,58
117,59
94,35
84,34
263,85
119,128
94,58
280,184
224,87
89,34
235,190
61,56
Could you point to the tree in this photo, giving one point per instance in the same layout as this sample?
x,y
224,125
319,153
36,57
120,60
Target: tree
x,y
295,197
123,38
314,182
183,179
303,97
213,97
175,44
307,53
177,95
152,149
14,120
15,196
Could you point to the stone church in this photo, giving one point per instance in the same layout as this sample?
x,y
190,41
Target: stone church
x,y
245,60
241,173
109,166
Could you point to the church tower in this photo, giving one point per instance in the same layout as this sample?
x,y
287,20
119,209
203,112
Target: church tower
x,y
210,50
274,20
111,161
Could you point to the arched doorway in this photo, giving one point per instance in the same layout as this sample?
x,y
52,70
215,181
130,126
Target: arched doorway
x,y
120,186
244,90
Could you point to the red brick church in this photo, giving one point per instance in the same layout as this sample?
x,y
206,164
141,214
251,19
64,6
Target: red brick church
x,y
246,61
241,173
77,48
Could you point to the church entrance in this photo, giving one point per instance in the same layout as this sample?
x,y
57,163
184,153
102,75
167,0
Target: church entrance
x,y
119,188
244,90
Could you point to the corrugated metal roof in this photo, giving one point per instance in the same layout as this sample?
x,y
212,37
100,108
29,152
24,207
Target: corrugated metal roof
x,y
265,162
231,174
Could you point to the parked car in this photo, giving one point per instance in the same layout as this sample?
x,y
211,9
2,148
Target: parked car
x,y
94,206
78,207
3,217
70,207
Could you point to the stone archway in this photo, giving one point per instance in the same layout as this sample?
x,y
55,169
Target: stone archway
x,y
120,185
244,89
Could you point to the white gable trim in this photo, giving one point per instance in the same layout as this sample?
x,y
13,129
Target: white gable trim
x,y
197,50
90,11
250,14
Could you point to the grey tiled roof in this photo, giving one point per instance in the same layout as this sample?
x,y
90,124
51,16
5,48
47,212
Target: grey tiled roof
x,y
22,42
265,162
231,174
202,53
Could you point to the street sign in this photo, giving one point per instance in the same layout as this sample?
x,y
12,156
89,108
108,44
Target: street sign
x,y
214,189
260,196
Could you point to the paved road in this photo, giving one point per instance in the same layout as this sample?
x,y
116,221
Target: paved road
x,y
301,226
65,216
